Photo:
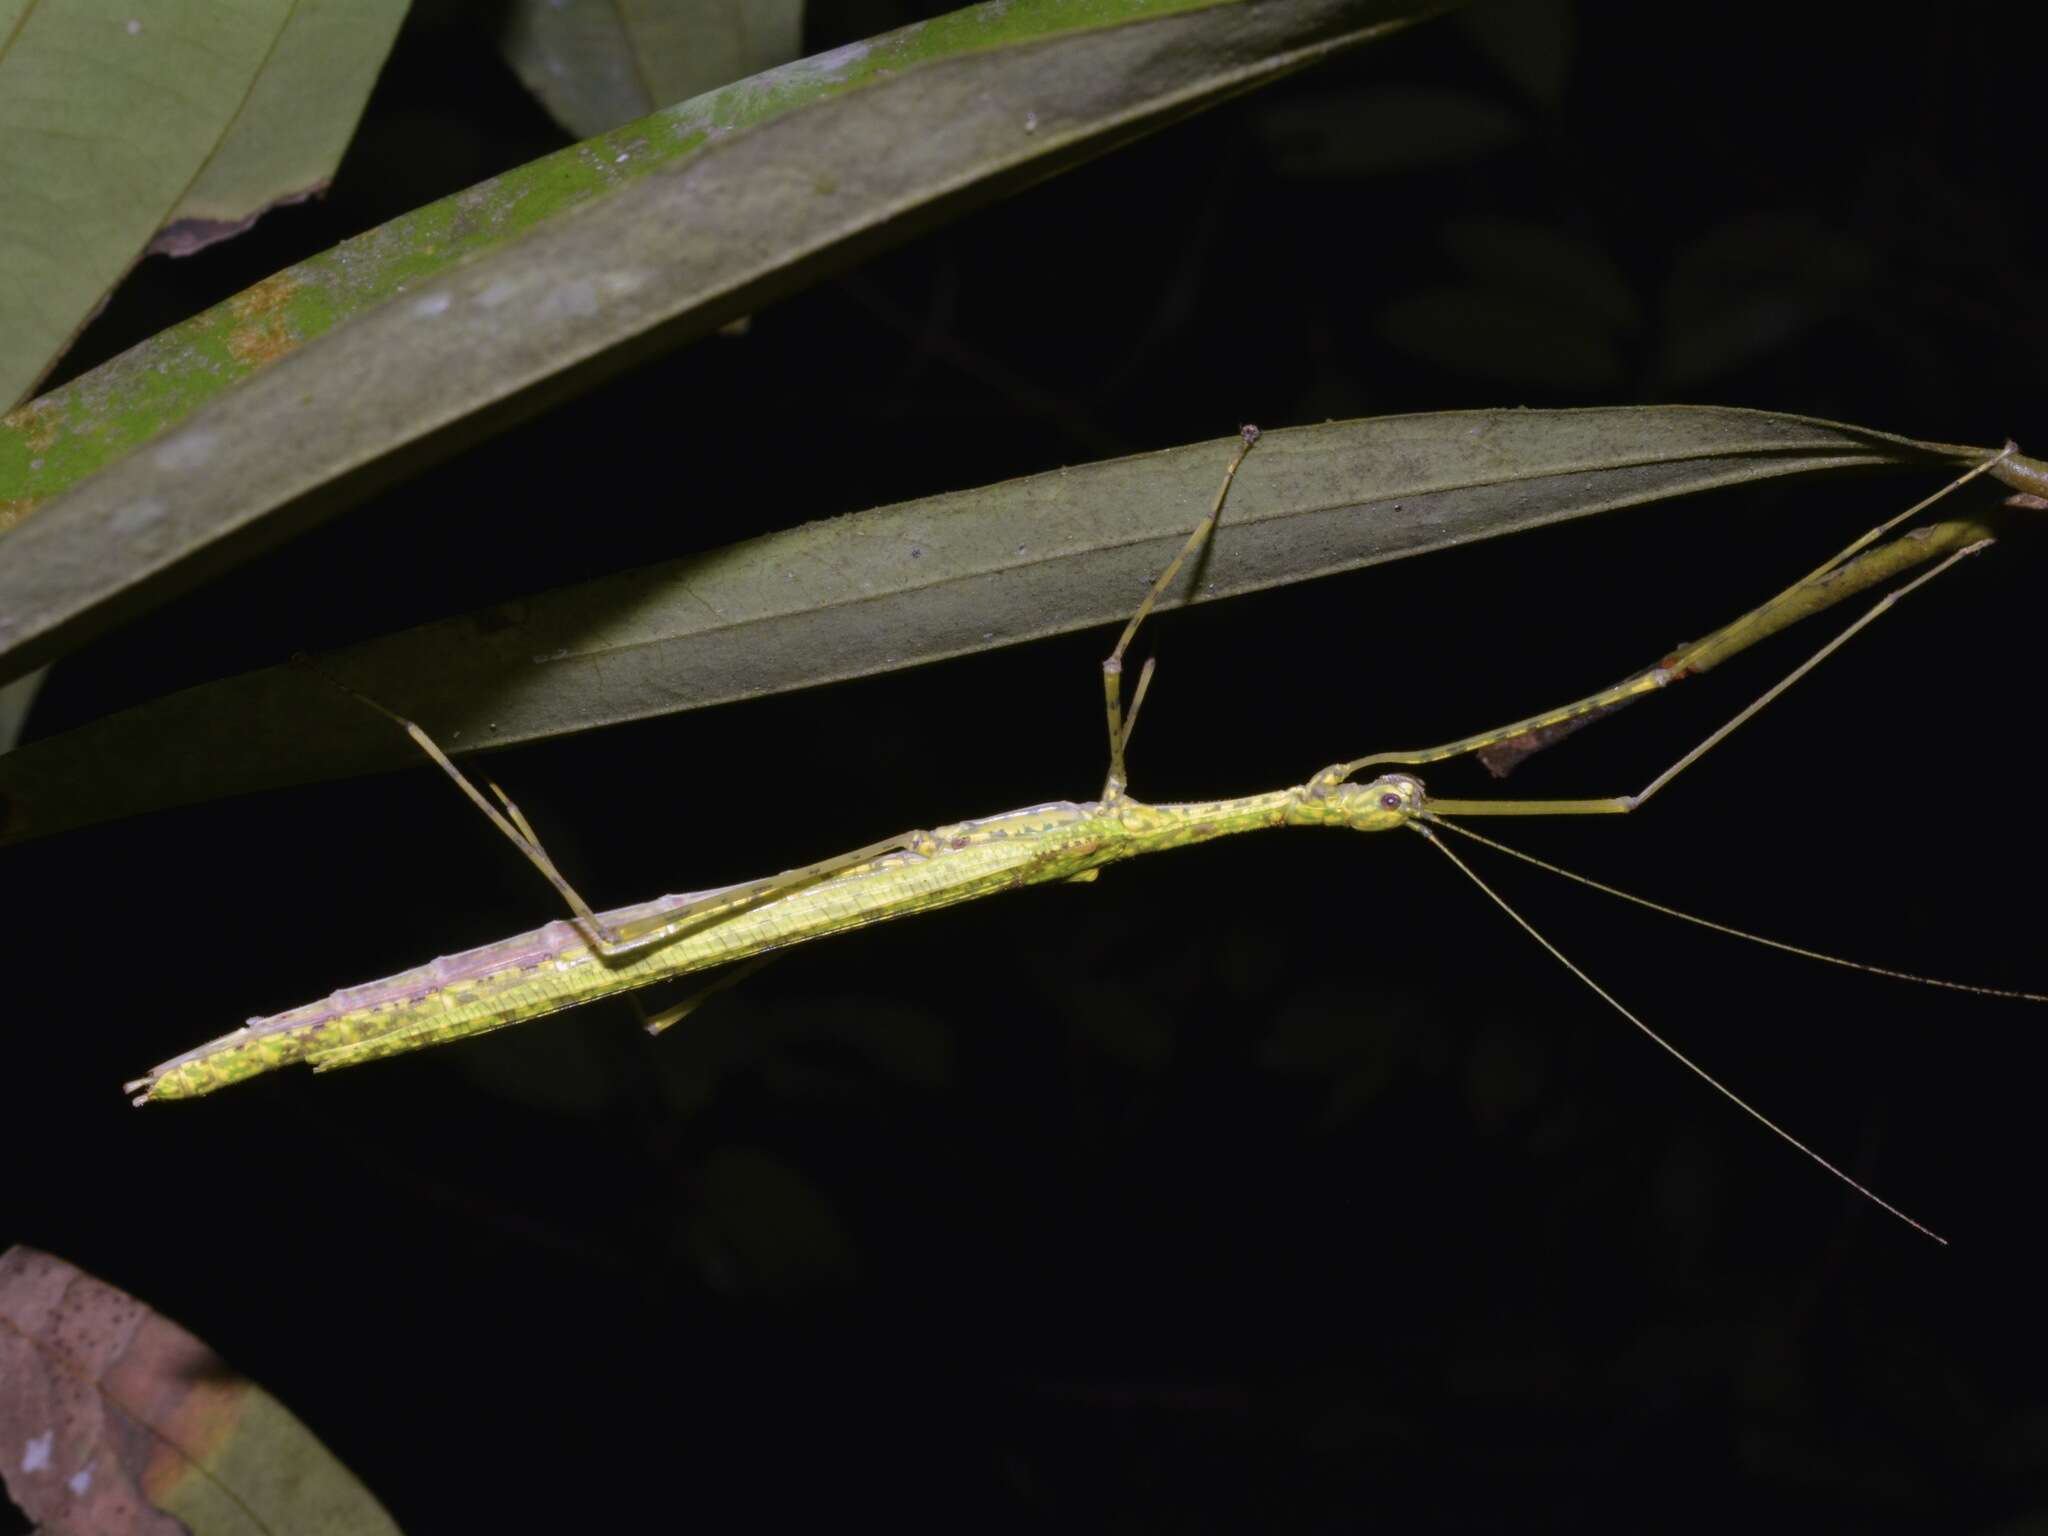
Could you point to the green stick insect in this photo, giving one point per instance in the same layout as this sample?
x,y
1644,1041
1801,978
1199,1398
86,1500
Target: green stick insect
x,y
597,954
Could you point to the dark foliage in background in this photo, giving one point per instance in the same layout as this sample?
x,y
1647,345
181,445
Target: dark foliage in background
x,y
1279,1185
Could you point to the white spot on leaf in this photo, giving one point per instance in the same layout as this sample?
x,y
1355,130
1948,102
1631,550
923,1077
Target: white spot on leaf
x,y
140,516
498,293
831,65
37,1457
577,298
433,304
188,450
79,1481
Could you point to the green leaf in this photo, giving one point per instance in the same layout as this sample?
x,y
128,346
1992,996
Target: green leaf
x,y
110,1414
598,63
714,208
159,127
902,585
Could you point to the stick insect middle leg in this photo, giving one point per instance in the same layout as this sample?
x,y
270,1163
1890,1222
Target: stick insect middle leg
x,y
1120,727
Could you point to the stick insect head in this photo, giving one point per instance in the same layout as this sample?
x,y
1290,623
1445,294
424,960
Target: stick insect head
x,y
1391,800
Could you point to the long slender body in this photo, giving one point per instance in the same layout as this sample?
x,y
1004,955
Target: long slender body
x,y
599,953
556,966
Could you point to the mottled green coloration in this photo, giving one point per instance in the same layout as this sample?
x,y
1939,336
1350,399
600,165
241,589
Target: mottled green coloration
x,y
53,442
665,255
556,967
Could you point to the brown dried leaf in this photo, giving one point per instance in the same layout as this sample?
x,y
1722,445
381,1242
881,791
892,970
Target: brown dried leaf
x,y
114,1420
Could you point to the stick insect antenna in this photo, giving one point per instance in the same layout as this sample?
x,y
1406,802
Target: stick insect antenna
x,y
1665,1045
2012,994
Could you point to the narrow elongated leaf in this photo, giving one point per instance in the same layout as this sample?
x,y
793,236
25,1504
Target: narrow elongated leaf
x,y
599,63
751,199
930,579
114,1420
179,121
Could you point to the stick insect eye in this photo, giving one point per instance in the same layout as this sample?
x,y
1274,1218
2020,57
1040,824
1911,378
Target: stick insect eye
x,y
1390,801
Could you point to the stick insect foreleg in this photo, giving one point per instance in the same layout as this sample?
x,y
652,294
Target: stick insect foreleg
x,y
1854,570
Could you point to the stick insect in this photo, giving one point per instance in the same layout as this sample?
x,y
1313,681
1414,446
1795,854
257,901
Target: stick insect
x,y
596,954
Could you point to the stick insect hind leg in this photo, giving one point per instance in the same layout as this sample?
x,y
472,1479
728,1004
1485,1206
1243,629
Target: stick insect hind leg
x,y
611,940
656,1023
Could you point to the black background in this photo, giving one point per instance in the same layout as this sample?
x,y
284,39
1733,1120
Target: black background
x,y
1280,1183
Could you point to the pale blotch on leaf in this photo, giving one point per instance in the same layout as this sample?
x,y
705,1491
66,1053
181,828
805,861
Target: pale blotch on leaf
x,y
140,516
188,450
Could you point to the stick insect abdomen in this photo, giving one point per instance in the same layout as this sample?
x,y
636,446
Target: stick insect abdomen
x,y
555,967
